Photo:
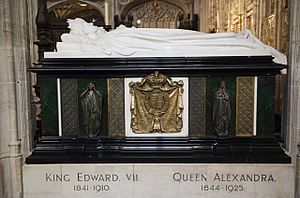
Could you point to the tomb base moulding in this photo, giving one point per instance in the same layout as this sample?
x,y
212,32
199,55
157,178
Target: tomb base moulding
x,y
152,180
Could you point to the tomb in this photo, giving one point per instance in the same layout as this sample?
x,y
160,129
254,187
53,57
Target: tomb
x,y
190,107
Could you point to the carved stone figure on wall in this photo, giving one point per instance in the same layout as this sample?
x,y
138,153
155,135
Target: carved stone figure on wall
x,y
221,114
156,105
91,101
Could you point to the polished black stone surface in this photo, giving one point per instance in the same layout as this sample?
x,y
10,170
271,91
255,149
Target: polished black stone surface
x,y
174,66
158,150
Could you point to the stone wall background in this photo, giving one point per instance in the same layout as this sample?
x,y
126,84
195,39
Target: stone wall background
x,y
293,85
17,33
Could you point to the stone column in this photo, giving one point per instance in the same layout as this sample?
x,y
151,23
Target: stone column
x,y
293,101
16,31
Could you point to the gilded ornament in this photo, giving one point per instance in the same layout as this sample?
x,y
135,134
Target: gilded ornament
x,y
156,104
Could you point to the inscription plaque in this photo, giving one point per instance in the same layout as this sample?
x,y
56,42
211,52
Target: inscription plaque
x,y
163,180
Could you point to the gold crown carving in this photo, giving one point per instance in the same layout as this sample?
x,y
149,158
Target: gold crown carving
x,y
156,79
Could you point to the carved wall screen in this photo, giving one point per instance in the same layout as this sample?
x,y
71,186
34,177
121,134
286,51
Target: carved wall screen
x,y
155,14
268,20
269,31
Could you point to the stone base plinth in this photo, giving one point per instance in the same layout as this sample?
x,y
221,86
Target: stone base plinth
x,y
159,180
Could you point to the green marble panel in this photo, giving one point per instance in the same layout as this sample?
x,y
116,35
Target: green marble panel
x,y
265,105
212,84
101,86
48,93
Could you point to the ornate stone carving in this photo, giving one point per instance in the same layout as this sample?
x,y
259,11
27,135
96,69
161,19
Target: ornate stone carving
x,y
44,34
69,104
269,31
155,14
116,119
156,105
123,2
245,106
197,94
284,32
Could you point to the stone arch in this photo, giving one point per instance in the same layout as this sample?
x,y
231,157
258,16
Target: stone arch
x,y
96,6
155,14
60,11
90,7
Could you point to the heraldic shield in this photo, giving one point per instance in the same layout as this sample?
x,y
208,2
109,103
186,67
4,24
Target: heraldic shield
x,y
156,105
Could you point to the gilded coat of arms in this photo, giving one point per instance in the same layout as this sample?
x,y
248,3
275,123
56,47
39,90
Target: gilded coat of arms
x,y
156,105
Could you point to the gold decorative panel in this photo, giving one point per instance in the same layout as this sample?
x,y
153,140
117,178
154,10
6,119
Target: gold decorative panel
x,y
156,105
245,106
116,112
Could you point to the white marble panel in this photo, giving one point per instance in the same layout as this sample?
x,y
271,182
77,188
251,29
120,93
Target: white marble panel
x,y
42,181
170,180
109,181
281,184
227,180
159,180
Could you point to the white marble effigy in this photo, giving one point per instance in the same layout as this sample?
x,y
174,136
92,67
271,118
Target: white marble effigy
x,y
88,41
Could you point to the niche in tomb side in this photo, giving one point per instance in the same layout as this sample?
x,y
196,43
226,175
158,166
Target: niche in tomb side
x,y
157,95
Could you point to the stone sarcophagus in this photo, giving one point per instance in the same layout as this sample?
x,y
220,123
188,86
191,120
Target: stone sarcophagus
x,y
212,109
158,96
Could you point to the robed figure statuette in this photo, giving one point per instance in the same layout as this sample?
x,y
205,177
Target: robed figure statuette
x,y
221,114
91,101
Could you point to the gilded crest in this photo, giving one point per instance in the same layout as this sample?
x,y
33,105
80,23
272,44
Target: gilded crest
x,y
156,104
